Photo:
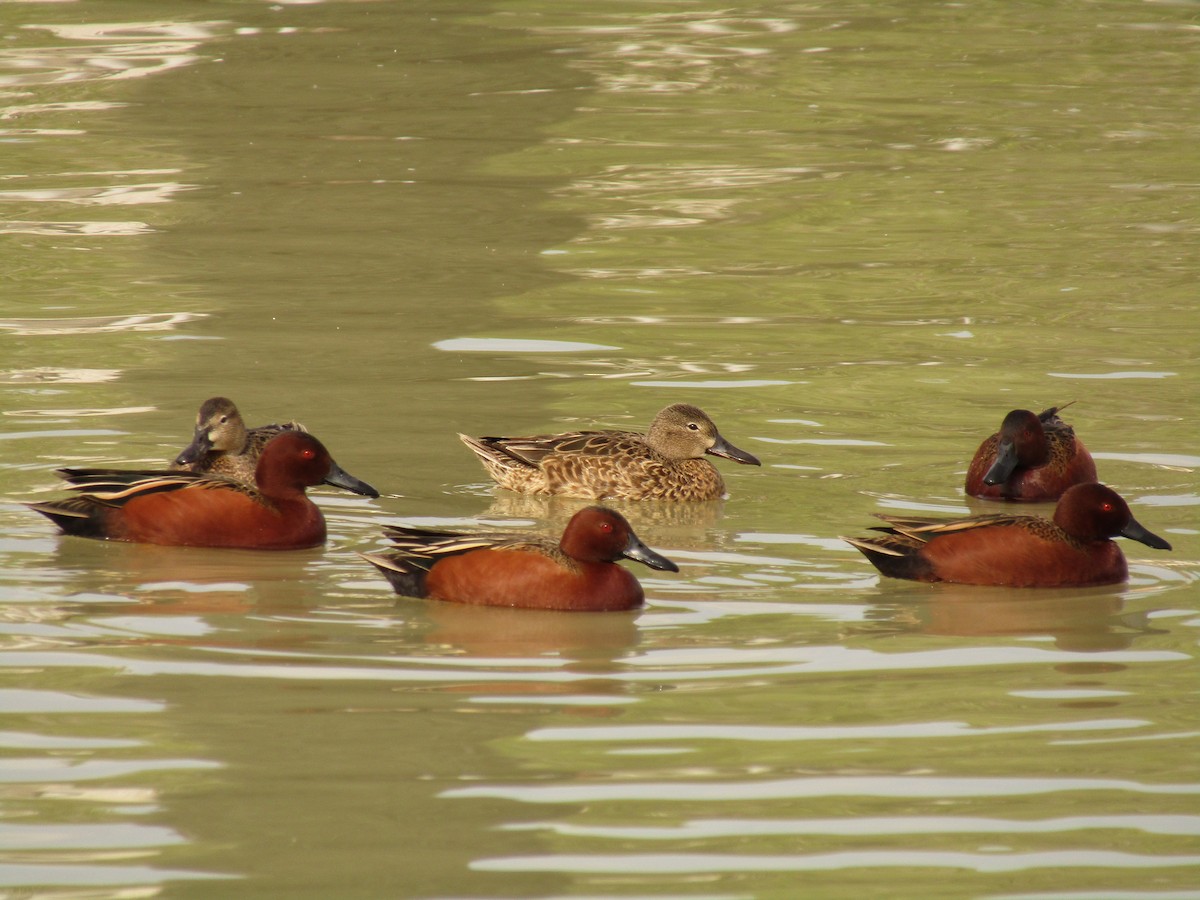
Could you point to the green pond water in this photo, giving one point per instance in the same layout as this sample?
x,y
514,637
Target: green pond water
x,y
857,234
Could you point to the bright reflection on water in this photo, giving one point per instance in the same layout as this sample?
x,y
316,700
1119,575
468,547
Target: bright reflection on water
x,y
856,235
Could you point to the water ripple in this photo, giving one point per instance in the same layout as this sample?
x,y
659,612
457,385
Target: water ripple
x,y
29,836
696,829
659,863
873,786
811,733
100,324
693,664
40,769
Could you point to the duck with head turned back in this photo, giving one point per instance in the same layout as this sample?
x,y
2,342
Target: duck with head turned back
x,y
1032,457
194,510
667,463
577,573
223,445
1073,549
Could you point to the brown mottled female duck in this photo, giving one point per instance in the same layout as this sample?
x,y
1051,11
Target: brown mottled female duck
x,y
222,445
667,463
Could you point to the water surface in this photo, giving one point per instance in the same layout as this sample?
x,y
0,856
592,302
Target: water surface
x,y
856,234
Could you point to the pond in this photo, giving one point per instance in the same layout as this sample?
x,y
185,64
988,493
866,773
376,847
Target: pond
x,y
856,234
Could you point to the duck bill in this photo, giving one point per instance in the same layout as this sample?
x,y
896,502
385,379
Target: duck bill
x,y
636,550
1135,532
339,477
199,448
723,448
1002,468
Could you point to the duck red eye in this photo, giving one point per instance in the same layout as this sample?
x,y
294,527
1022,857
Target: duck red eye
x,y
606,527
308,453
1106,507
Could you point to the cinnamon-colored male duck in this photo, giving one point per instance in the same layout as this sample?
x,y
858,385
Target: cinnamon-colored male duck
x,y
1018,551
577,573
195,510
222,445
1032,457
667,463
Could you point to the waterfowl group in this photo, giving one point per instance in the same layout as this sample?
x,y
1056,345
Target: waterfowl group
x,y
1033,457
196,509
234,487
223,445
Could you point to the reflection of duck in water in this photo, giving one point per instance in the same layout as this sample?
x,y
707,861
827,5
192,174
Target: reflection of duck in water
x,y
667,463
681,525
1085,620
203,594
493,631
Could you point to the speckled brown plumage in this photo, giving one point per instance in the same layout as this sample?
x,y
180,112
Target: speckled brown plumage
x,y
222,445
665,464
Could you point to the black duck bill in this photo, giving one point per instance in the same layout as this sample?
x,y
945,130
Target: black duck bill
x,y
723,448
1005,464
1135,531
638,551
339,477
